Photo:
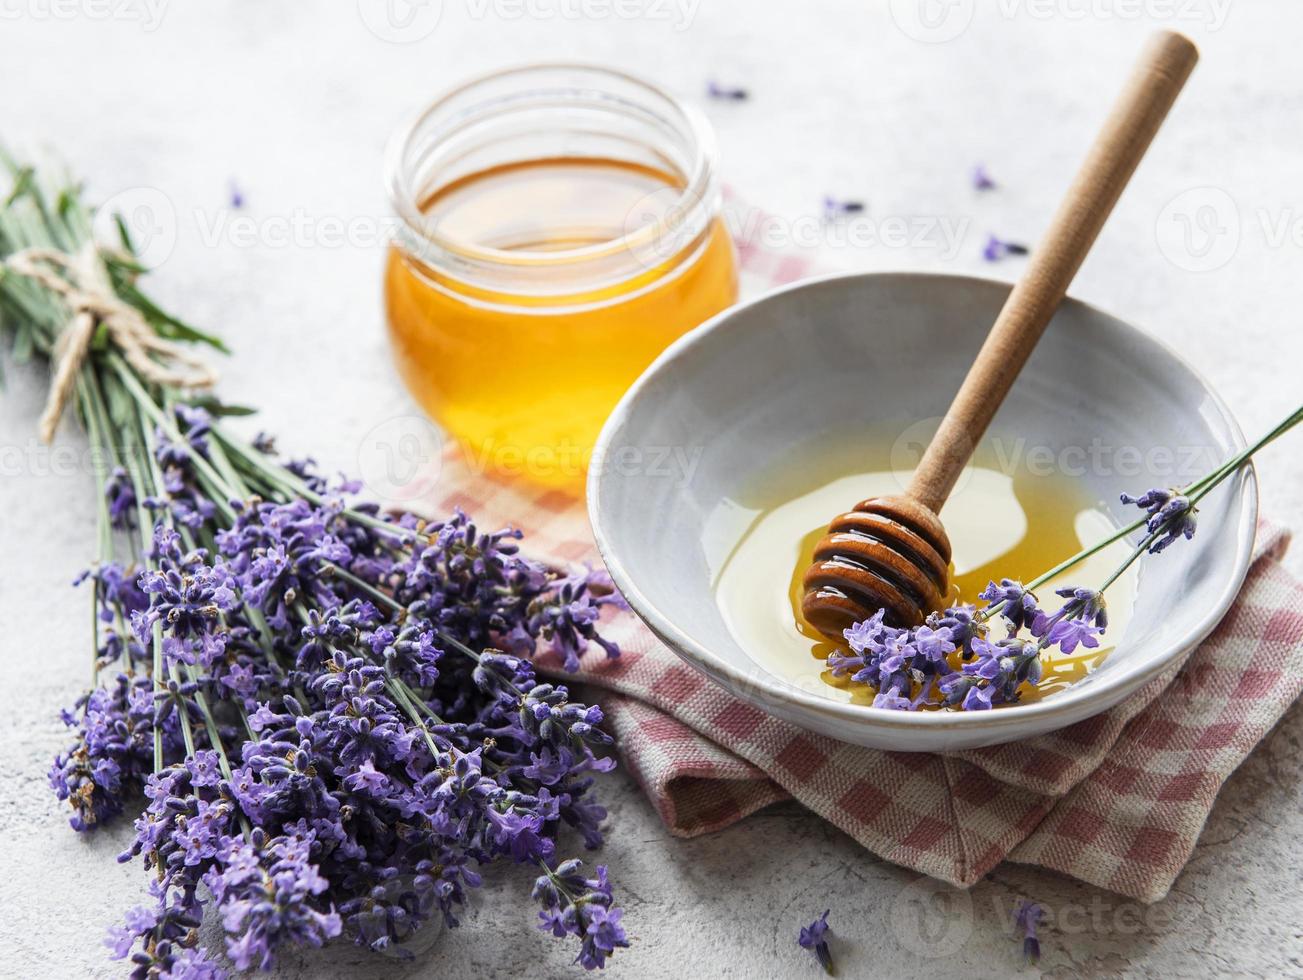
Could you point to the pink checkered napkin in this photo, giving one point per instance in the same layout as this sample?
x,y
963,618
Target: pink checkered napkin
x,y
1117,800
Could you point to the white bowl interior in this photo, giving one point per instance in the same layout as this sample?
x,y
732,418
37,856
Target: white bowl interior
x,y
880,352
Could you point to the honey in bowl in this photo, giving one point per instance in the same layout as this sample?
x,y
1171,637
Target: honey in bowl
x,y
561,227
1002,525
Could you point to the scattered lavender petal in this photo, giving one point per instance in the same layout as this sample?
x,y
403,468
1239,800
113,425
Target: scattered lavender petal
x,y
834,208
982,180
726,93
996,249
814,937
1027,917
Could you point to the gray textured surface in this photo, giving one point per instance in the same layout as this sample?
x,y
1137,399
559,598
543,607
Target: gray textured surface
x,y
295,100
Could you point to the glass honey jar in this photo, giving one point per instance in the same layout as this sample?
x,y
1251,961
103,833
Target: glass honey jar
x,y
559,226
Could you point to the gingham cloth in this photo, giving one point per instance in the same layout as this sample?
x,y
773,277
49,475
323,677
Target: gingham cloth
x,y
1117,800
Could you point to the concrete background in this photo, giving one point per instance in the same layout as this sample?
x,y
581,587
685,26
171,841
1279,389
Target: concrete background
x,y
293,101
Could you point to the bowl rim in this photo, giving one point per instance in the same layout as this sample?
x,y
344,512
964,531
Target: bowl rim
x,y
763,684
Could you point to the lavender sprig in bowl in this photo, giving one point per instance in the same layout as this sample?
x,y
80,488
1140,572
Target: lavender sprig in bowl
x,y
951,661
324,720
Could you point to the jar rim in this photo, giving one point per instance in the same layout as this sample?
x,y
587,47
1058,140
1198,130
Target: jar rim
x,y
404,196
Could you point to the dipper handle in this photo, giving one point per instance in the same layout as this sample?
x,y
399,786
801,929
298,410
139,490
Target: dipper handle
x,y
1141,108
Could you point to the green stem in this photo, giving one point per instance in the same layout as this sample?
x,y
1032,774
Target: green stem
x,y
218,491
187,734
1139,550
133,451
1081,556
116,444
362,586
201,465
1195,491
104,534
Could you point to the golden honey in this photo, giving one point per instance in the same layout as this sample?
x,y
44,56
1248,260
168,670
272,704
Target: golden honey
x,y
1002,525
526,382
560,228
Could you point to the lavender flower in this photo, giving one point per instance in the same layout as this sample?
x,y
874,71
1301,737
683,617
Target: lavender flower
x,y
725,92
1171,516
834,208
964,627
568,619
113,752
1005,666
981,179
120,493
997,249
168,949
1027,917
268,892
1010,600
814,937
948,661
575,905
1079,621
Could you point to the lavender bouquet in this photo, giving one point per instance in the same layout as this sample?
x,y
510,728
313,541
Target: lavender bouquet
x,y
328,714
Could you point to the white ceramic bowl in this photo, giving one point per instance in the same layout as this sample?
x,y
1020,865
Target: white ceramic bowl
x,y
840,354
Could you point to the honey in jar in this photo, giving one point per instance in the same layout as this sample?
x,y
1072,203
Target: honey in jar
x,y
560,227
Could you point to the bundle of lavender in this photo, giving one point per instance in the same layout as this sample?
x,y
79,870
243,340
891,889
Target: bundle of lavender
x,y
331,711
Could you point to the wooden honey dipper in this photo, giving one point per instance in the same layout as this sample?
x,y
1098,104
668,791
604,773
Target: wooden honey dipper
x,y
892,552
